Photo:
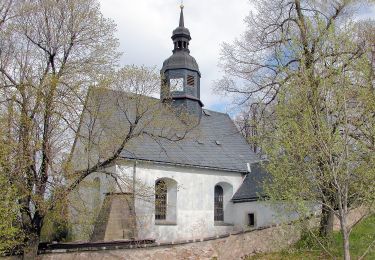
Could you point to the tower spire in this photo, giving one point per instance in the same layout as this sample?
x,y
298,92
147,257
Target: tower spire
x,y
180,73
182,15
181,35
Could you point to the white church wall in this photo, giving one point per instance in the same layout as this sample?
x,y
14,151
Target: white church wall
x,y
172,201
190,207
265,213
229,214
86,201
194,205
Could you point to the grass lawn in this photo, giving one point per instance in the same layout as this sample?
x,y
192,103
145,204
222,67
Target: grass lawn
x,y
360,238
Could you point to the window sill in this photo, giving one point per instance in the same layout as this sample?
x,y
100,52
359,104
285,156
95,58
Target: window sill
x,y
165,223
222,223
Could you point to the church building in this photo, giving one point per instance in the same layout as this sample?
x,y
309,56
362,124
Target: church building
x,y
205,184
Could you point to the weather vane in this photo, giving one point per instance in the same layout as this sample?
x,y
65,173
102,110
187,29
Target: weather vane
x,y
182,4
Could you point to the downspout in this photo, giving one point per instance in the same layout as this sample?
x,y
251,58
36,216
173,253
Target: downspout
x,y
133,200
248,166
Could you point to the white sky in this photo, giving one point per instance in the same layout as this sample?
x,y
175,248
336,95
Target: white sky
x,y
144,28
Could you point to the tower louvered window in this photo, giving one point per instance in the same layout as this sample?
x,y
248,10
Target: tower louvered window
x,y
190,81
219,209
160,200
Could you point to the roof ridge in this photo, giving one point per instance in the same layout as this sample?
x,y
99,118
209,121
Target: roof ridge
x,y
127,93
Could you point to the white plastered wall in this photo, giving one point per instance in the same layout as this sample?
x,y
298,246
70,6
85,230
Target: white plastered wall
x,y
192,214
195,200
265,213
82,210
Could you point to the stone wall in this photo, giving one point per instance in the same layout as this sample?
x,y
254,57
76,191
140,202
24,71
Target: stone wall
x,y
353,217
234,246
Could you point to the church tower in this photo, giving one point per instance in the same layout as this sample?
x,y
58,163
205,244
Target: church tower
x,y
180,73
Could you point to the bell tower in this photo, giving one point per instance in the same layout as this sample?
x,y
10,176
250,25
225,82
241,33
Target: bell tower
x,y
180,73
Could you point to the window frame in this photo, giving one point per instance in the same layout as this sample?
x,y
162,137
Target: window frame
x,y
161,200
249,219
218,204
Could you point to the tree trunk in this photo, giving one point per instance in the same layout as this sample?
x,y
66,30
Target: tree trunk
x,y
345,235
346,245
326,221
31,248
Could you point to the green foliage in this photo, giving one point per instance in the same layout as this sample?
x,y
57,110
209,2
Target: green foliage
x,y
307,67
54,231
361,238
67,46
308,241
320,142
56,225
11,234
321,146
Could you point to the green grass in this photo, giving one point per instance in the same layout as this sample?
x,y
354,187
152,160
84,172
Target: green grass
x,y
360,238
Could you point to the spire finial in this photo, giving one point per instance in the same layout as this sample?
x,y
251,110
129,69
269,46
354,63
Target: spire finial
x,y
182,14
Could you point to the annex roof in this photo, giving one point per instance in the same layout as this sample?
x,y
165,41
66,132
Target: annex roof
x,y
252,187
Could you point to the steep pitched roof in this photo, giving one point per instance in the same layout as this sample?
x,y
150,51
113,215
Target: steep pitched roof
x,y
252,187
215,143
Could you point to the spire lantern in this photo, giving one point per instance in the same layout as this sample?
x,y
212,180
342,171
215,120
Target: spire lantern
x,y
180,73
181,35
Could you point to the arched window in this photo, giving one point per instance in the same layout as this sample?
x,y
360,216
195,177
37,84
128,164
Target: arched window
x,y
161,190
219,207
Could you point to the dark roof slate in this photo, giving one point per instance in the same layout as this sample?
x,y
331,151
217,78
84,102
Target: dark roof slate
x,y
252,187
180,60
215,143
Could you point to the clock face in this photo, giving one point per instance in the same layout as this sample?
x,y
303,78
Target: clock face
x,y
177,84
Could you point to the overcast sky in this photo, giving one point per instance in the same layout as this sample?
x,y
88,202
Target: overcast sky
x,y
144,28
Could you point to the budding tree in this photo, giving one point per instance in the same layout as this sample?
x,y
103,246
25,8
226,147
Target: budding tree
x,y
306,60
55,59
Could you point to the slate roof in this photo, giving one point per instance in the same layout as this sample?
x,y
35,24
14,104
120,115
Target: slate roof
x,y
252,187
215,143
180,59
